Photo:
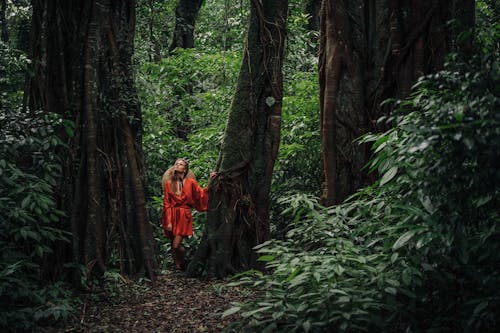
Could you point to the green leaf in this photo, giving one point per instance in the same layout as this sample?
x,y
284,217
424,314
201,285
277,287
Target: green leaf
x,y
298,280
480,307
394,257
405,238
24,233
307,326
391,290
389,175
231,311
483,200
251,313
338,269
266,258
338,291
270,328
406,277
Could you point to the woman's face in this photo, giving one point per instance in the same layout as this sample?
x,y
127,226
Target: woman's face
x,y
180,166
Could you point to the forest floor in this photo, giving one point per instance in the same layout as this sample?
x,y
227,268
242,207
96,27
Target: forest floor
x,y
177,304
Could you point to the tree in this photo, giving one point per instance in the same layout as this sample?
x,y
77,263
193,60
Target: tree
x,y
4,35
153,28
185,19
82,70
371,51
238,217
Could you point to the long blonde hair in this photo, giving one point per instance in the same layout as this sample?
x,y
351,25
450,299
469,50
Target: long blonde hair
x,y
169,175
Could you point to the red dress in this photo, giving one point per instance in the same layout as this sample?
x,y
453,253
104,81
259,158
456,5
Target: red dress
x,y
177,208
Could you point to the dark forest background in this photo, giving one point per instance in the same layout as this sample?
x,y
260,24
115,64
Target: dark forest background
x,y
356,144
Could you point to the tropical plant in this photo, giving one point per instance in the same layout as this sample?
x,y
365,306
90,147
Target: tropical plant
x,y
418,250
30,224
298,166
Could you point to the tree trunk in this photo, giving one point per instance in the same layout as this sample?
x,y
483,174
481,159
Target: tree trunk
x,y
371,51
3,9
155,51
83,71
185,19
238,217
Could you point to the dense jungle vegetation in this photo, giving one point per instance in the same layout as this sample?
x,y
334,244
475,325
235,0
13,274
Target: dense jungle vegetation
x,y
418,250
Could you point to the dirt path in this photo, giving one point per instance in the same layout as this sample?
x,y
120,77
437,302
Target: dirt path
x,y
177,305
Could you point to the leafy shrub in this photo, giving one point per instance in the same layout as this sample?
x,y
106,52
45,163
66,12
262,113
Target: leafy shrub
x,y
445,153
30,224
418,250
13,67
298,165
301,43
324,276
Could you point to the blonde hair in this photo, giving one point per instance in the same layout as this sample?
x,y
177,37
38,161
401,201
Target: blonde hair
x,y
169,174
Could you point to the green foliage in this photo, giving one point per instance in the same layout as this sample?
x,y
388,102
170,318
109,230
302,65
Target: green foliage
x,y
13,67
115,284
186,97
30,224
298,165
323,278
18,23
185,100
445,153
417,251
222,26
154,29
301,44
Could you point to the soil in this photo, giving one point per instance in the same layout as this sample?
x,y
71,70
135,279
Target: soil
x,y
177,304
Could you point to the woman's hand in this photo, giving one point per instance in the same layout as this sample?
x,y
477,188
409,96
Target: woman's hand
x,y
213,174
169,228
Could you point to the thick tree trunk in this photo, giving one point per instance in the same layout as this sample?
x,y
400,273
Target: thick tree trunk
x,y
3,9
370,51
82,52
185,19
238,217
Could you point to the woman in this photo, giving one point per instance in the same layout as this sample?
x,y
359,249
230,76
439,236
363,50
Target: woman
x,y
181,193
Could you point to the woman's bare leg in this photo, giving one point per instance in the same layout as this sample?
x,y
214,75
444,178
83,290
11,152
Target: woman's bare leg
x,y
178,252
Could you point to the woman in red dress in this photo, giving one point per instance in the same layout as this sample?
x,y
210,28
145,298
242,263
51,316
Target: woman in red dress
x,y
181,193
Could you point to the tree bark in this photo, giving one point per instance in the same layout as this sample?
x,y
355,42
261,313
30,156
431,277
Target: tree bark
x,y
371,51
185,19
155,53
3,19
238,217
83,71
